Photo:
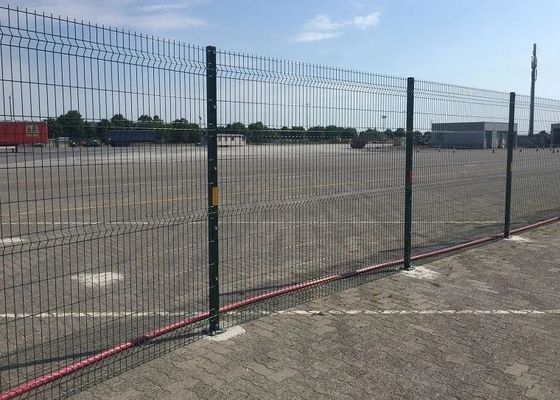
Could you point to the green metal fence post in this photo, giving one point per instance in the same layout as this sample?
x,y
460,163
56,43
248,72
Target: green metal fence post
x,y
212,154
409,174
511,145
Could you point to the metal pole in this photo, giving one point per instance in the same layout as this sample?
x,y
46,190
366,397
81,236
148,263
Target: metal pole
x,y
533,79
408,175
10,102
510,143
212,153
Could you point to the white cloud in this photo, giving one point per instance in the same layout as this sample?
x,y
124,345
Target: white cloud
x,y
366,21
164,7
322,23
322,27
133,14
308,37
165,22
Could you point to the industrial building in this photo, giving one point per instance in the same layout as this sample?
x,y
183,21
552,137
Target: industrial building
x,y
470,135
555,134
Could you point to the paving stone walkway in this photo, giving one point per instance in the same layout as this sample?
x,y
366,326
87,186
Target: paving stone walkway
x,y
481,324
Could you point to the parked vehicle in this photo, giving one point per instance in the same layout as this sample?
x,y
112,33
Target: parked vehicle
x,y
15,133
90,143
358,142
125,137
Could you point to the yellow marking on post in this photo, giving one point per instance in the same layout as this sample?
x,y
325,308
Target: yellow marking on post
x,y
215,196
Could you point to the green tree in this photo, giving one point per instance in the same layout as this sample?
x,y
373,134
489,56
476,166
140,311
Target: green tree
x,y
182,131
316,133
144,119
417,138
427,137
374,135
258,132
72,125
348,133
54,127
119,121
102,127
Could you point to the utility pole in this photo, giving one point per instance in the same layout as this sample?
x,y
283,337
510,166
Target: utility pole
x,y
307,115
11,104
533,79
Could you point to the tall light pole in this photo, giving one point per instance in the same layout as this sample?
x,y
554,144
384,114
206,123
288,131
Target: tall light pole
x,y
383,118
533,80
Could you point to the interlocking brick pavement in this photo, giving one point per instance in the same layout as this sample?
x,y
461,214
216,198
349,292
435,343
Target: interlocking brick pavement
x,y
472,330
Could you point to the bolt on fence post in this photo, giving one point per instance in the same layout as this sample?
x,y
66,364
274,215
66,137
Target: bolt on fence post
x,y
408,174
212,160
510,144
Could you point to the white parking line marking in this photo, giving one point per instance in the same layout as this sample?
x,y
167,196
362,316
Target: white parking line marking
x,y
97,280
422,273
358,222
226,222
519,239
11,241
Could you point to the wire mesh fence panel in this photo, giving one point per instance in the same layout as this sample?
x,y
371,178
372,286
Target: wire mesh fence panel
x,y
536,163
298,202
144,184
459,179
103,222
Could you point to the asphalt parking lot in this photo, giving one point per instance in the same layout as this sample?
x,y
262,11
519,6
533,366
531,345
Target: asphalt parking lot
x,y
100,245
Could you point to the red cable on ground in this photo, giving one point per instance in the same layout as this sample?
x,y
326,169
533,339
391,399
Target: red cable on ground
x,y
119,348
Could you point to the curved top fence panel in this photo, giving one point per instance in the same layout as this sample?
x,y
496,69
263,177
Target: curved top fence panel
x,y
52,65
281,93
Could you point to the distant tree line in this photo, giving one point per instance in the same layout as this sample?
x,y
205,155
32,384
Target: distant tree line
x,y
73,126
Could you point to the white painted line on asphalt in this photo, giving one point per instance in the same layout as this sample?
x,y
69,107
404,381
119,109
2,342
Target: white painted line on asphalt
x,y
225,221
144,314
84,223
421,273
95,314
519,239
97,279
418,312
227,334
11,241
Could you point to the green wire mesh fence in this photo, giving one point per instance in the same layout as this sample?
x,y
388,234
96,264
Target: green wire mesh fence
x,y
153,191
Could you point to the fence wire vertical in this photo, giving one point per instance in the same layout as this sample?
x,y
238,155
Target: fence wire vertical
x,y
298,203
536,164
460,177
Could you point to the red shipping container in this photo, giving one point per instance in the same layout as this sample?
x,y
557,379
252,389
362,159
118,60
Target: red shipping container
x,y
16,133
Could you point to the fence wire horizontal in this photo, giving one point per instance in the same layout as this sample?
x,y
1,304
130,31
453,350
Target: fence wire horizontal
x,y
132,201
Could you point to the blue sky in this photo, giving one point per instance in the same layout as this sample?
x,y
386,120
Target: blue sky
x,y
478,43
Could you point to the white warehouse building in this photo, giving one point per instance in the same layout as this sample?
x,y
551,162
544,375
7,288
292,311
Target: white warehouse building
x,y
470,135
